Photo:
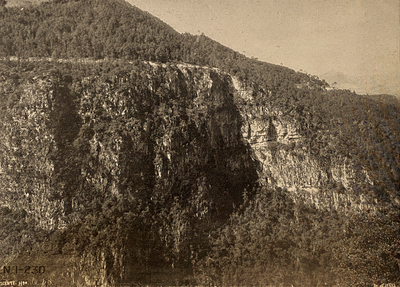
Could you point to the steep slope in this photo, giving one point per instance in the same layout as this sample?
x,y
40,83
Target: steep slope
x,y
114,29
137,141
119,153
144,155
317,147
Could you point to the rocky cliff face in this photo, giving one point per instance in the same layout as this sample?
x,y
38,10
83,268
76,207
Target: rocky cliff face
x,y
178,143
26,143
204,118
279,142
160,145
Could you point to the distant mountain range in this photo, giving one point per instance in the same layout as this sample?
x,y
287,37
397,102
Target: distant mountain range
x,y
388,83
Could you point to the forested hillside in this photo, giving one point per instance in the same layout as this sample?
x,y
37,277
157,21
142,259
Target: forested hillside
x,y
114,29
132,154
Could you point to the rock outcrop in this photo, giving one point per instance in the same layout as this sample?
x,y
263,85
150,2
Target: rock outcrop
x,y
110,126
180,143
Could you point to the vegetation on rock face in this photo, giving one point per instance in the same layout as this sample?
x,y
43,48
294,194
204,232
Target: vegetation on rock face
x,y
132,159
129,168
276,241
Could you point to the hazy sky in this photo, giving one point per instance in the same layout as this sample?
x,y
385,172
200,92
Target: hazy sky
x,y
356,37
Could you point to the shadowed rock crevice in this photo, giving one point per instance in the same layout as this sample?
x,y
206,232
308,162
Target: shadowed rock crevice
x,y
64,123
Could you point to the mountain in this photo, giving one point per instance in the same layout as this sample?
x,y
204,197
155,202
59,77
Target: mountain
x,y
132,154
340,81
367,84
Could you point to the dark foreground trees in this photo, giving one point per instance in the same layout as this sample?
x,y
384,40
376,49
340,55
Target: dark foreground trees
x,y
275,241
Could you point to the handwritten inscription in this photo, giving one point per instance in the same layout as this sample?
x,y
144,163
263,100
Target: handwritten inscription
x,y
22,270
13,283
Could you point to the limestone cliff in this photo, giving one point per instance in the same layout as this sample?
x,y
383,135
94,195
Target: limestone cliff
x,y
47,124
174,146
161,142
301,158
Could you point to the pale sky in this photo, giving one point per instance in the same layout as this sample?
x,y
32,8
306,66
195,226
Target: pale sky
x,y
360,38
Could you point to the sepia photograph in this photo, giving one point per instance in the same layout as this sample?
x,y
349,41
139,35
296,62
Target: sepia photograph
x,y
155,143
